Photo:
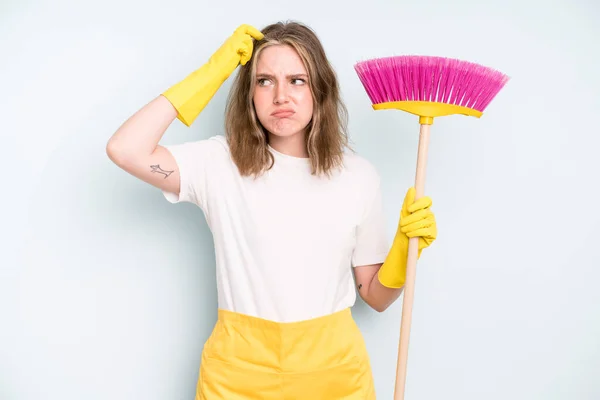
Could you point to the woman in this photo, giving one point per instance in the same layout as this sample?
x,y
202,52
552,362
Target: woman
x,y
297,220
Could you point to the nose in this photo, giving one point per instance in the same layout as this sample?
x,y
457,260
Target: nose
x,y
281,94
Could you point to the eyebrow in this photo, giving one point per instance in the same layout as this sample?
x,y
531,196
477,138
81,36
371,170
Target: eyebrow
x,y
269,76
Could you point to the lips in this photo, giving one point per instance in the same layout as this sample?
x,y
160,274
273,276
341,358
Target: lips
x,y
283,113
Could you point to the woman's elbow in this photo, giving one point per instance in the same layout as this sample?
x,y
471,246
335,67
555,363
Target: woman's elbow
x,y
378,306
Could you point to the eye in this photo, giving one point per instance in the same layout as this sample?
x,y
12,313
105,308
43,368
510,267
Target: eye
x,y
262,81
298,81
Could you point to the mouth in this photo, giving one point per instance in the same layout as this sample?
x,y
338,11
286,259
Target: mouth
x,y
282,113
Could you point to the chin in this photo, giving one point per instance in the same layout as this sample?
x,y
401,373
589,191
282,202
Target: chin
x,y
286,131
284,134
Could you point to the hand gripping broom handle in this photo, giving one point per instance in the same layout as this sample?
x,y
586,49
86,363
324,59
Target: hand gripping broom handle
x,y
409,286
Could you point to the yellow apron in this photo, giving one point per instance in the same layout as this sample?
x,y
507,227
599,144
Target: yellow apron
x,y
248,358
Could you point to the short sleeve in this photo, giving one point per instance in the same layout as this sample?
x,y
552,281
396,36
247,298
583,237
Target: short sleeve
x,y
194,163
371,241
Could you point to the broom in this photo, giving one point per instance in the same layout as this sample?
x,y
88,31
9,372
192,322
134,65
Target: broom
x,y
428,87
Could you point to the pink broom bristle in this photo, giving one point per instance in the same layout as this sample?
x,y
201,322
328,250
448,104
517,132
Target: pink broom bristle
x,y
425,78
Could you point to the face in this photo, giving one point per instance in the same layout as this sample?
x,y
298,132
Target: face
x,y
282,96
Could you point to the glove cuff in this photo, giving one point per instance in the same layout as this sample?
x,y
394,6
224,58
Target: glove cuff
x,y
191,95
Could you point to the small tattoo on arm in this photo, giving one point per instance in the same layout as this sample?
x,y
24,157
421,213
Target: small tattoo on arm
x,y
158,169
359,286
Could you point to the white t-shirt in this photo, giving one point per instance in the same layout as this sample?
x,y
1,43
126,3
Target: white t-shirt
x,y
286,242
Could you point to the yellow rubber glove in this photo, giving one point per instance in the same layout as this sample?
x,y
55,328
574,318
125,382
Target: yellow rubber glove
x,y
416,220
192,94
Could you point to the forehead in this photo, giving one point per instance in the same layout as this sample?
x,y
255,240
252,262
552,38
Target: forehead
x,y
279,58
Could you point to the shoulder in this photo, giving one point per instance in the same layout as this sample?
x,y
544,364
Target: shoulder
x,y
364,181
216,144
361,170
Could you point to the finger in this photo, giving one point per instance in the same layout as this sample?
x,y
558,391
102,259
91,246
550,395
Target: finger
x,y
424,243
421,203
417,226
429,221
428,234
425,233
416,216
245,52
250,30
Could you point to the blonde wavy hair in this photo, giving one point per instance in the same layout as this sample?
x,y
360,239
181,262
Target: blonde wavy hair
x,y
327,130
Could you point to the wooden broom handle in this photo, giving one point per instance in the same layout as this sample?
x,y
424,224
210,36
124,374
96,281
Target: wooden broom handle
x,y
409,286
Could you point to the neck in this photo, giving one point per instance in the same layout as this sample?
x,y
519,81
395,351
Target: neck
x,y
294,145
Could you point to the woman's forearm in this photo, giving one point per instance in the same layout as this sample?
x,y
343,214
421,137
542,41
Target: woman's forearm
x,y
141,132
376,295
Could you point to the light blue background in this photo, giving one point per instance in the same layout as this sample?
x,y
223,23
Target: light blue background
x,y
107,291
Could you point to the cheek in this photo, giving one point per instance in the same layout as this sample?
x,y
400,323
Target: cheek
x,y
261,103
306,102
